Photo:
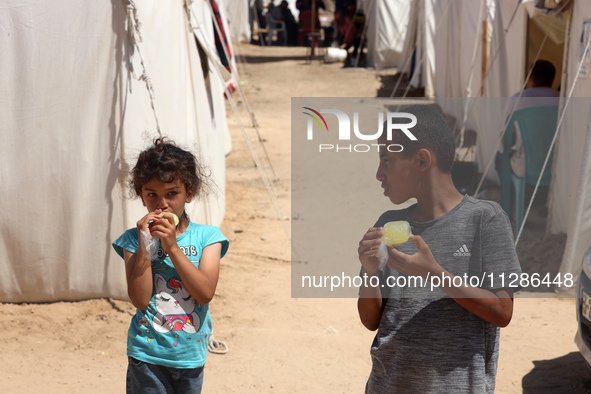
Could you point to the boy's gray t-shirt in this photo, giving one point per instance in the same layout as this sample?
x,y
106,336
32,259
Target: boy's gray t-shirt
x,y
426,342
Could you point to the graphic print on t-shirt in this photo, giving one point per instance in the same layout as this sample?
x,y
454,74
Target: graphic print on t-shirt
x,y
175,306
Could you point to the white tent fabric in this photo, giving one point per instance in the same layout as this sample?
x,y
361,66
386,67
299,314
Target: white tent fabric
x,y
419,42
458,48
386,31
570,198
73,121
570,191
203,26
444,34
455,60
506,60
238,16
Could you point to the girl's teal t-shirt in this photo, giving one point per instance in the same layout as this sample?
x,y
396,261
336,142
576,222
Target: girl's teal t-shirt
x,y
174,330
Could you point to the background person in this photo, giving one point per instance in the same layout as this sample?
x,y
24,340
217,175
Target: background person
x,y
540,93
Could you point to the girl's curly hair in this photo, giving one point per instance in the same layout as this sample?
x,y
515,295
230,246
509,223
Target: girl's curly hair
x,y
167,162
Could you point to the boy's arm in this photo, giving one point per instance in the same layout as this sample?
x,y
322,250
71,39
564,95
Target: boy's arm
x,y
494,307
369,304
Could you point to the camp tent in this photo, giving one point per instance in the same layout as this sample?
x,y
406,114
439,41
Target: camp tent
x,y
570,199
76,111
445,37
387,22
484,49
238,13
447,43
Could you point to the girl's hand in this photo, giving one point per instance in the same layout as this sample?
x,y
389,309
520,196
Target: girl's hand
x,y
144,223
419,264
368,247
165,229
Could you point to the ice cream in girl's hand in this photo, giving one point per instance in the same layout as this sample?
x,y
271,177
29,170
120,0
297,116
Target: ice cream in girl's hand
x,y
175,217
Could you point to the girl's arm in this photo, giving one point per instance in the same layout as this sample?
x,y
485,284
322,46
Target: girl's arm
x,y
138,267
138,270
199,281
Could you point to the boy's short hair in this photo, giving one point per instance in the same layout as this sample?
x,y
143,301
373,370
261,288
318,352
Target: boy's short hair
x,y
543,72
432,133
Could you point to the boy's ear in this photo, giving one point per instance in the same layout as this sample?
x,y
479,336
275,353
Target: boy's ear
x,y
424,159
189,198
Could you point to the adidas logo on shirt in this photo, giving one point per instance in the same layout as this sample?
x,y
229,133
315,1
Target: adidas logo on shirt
x,y
463,251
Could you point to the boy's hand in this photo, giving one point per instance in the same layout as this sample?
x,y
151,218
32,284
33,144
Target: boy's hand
x,y
368,247
421,263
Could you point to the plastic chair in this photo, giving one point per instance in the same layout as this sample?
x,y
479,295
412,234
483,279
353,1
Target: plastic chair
x,y
257,30
537,126
275,26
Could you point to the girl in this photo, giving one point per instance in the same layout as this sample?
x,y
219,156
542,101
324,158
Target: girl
x,y
172,272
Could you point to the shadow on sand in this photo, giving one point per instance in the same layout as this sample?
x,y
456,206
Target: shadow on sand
x,y
272,59
566,374
389,82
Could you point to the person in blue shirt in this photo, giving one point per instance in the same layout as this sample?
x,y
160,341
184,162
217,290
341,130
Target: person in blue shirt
x,y
172,271
539,93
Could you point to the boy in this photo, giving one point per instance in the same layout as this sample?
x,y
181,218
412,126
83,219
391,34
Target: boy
x,y
441,335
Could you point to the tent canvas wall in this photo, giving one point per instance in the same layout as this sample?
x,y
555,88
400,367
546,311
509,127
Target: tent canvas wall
x,y
218,75
444,37
570,191
387,22
74,119
238,14
459,73
570,195
457,26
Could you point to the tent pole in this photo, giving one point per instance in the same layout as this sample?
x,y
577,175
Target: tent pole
x,y
563,82
485,49
313,36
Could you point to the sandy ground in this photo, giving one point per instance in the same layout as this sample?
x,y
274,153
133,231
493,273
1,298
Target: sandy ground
x,y
277,344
